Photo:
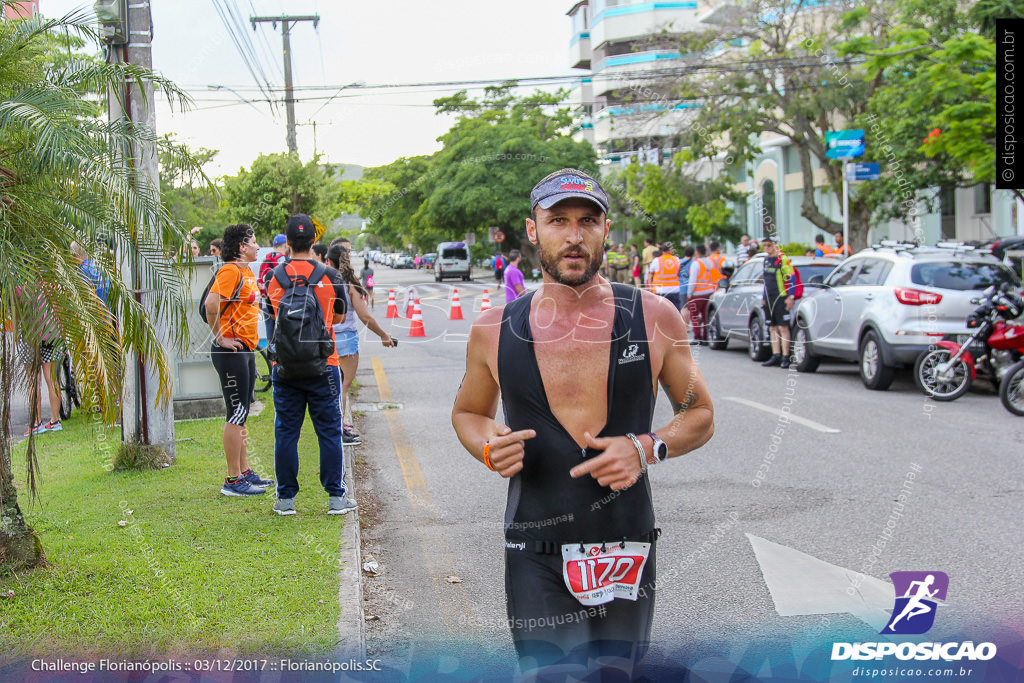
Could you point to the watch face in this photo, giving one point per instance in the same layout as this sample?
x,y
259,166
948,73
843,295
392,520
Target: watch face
x,y
661,450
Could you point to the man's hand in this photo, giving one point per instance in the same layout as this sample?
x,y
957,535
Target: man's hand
x,y
618,467
229,343
790,300
508,449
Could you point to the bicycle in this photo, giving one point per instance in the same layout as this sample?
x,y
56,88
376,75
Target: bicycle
x,y
67,388
263,382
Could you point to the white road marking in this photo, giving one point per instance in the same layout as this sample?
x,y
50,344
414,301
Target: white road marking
x,y
801,584
781,413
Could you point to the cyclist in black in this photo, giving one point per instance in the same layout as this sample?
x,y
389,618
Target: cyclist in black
x,y
580,533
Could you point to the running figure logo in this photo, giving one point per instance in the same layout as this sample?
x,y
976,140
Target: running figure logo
x,y
918,595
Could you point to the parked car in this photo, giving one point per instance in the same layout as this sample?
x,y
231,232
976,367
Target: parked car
x,y
735,313
404,261
885,305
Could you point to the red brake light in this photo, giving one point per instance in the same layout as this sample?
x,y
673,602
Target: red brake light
x,y
917,297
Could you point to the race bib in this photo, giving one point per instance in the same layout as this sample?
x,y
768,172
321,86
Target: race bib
x,y
596,577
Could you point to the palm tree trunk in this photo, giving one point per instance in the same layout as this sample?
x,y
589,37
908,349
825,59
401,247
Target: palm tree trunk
x,y
20,547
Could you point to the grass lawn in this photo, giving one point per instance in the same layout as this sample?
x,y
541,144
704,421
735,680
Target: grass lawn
x,y
159,562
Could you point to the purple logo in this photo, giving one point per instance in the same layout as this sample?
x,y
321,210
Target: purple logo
x,y
918,595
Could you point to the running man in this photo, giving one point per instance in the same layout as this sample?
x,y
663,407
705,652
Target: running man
x,y
576,364
916,591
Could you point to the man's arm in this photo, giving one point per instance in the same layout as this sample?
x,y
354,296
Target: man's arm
x,y
693,419
477,402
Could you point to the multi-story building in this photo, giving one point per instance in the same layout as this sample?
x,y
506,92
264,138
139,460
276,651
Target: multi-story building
x,y
621,105
624,106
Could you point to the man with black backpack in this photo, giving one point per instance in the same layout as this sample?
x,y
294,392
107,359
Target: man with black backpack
x,y
306,298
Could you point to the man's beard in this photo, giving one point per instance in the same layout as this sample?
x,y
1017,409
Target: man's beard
x,y
550,262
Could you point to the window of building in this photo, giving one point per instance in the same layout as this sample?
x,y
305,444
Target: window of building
x,y
580,23
982,198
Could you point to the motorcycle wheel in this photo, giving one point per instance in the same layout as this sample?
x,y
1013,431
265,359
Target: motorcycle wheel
x,y
1011,390
947,388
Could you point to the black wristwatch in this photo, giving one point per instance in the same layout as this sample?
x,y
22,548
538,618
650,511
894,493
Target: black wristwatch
x,y
660,448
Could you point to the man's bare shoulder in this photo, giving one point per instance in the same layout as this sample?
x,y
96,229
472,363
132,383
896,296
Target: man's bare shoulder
x,y
660,315
487,325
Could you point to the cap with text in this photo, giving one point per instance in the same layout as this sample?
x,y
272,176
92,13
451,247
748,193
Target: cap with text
x,y
569,183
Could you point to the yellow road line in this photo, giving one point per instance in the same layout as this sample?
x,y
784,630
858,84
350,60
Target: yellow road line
x,y
452,598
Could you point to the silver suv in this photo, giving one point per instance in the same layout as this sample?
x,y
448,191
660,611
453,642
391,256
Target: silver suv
x,y
886,304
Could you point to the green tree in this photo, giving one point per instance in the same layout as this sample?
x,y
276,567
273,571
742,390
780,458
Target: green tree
x,y
786,79
933,113
187,192
667,203
492,157
63,178
276,187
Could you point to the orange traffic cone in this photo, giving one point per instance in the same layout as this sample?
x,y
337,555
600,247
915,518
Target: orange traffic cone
x,y
408,302
486,304
416,329
392,306
455,313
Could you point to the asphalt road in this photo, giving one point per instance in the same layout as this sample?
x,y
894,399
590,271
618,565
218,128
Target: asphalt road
x,y
829,490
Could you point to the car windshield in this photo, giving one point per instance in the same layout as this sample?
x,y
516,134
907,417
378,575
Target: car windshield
x,y
807,272
961,276
455,253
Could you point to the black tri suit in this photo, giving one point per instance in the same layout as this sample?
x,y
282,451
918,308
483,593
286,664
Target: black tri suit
x,y
547,508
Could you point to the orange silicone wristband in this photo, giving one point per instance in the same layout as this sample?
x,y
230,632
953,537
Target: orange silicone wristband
x,y
487,457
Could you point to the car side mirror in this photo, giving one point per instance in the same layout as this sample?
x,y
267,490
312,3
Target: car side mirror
x,y
816,280
723,283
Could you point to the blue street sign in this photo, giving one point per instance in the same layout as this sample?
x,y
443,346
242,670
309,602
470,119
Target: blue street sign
x,y
845,144
863,171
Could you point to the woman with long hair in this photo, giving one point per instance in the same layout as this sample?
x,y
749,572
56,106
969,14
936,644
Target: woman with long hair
x,y
346,335
232,311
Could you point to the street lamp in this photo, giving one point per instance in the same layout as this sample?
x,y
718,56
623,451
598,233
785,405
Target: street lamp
x,y
238,95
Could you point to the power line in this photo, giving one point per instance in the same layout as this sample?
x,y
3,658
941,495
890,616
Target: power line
x,y
638,75
222,12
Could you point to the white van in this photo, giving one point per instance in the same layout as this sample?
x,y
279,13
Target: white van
x,y
452,261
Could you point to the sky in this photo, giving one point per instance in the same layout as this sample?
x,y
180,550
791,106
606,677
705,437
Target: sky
x,y
376,43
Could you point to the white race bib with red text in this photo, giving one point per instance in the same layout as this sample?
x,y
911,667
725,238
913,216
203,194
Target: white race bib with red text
x,y
597,577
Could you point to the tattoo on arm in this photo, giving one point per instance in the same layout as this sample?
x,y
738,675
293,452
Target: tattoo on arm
x,y
678,408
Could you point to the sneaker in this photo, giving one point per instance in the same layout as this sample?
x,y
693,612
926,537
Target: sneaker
x,y
339,505
34,429
255,479
51,426
240,487
773,361
785,362
284,506
350,438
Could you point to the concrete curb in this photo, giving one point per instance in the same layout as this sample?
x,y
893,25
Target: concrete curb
x,y
350,585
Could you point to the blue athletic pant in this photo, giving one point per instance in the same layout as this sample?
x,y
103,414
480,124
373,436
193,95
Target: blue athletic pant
x,y
291,399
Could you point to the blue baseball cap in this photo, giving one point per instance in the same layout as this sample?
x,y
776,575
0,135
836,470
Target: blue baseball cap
x,y
568,183
280,239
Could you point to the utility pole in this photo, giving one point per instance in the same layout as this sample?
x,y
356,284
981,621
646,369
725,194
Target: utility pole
x,y
289,95
144,417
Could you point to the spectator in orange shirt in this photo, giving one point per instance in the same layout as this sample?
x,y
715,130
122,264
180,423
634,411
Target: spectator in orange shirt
x,y
232,310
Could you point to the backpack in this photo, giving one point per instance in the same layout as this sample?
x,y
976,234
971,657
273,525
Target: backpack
x,y
224,304
302,341
797,283
369,281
